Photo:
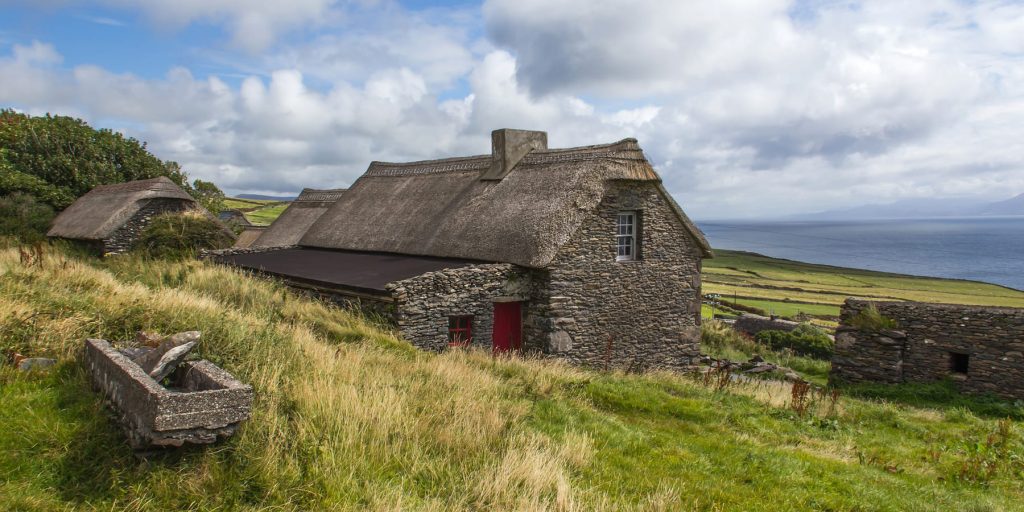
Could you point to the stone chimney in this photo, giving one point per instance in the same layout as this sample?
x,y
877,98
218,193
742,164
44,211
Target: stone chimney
x,y
508,147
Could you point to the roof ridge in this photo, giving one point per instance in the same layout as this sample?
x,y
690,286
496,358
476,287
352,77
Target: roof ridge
x,y
133,184
618,150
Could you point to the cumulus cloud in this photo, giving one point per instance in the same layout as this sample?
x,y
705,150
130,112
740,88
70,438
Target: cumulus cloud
x,y
746,110
814,104
253,24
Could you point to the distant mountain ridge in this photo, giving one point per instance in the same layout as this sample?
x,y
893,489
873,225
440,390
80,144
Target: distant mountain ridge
x,y
266,198
1012,206
924,208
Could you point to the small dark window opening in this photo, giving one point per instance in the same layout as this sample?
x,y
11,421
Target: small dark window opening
x,y
460,330
958,362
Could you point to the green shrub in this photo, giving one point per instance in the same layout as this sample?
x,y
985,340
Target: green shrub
x,y
715,335
59,158
870,320
24,218
806,340
175,235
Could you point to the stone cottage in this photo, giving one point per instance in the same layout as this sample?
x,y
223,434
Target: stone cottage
x,y
579,253
979,348
289,227
111,217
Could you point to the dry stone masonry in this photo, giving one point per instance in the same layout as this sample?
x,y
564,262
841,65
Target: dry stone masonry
x,y
981,348
629,314
124,238
752,324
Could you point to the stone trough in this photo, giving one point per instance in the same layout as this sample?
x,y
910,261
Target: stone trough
x,y
202,404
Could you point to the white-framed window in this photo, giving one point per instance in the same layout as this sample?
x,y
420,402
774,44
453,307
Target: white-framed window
x,y
625,236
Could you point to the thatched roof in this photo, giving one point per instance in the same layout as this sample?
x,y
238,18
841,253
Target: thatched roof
x,y
234,217
443,208
289,227
248,236
104,209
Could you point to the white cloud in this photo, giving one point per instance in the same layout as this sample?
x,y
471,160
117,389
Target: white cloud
x,y
746,109
763,111
253,24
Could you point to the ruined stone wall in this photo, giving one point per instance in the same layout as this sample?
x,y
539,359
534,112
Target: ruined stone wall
x,y
634,314
753,324
123,239
424,303
921,348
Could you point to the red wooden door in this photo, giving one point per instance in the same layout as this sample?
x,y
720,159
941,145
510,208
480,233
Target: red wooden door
x,y
508,326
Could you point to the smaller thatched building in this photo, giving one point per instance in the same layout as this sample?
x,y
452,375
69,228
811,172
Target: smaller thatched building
x,y
111,217
234,218
293,223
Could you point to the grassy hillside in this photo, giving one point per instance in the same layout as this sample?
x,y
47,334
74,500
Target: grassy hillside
x,y
347,416
259,211
788,288
238,203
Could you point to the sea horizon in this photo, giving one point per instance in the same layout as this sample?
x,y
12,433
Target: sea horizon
x,y
986,249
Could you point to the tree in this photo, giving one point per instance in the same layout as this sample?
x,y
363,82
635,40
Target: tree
x,y
57,159
24,218
208,195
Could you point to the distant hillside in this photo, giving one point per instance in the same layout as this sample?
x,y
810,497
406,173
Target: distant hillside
x,y
791,288
266,198
923,208
1012,206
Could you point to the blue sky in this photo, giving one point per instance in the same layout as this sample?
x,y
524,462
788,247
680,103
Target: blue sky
x,y
746,109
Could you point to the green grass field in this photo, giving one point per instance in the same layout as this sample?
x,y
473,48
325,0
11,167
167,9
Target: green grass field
x,y
246,204
266,215
790,287
349,417
260,212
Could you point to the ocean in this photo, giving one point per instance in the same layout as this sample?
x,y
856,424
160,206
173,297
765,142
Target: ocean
x,y
979,249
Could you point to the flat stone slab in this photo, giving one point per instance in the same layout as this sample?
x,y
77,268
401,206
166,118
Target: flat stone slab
x,y
205,403
35,363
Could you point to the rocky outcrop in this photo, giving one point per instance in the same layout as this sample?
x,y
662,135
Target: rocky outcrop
x,y
752,324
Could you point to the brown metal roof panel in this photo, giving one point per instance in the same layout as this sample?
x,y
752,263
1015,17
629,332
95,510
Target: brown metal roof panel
x,y
345,269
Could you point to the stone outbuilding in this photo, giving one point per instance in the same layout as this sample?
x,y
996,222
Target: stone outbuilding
x,y
578,253
294,221
980,348
111,217
234,218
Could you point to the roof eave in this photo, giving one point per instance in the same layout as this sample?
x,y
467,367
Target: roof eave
x,y
695,232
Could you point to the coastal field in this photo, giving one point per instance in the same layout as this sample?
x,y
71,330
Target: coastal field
x,y
260,212
791,288
350,417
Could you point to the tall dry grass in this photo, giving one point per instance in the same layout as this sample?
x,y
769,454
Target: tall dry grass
x,y
345,415
349,417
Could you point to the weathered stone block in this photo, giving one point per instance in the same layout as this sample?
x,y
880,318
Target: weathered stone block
x,y
206,403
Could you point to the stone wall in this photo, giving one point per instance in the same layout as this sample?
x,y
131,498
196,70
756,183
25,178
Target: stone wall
x,y
752,324
928,339
424,303
123,239
634,314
